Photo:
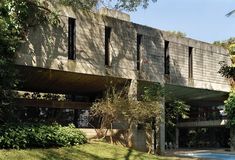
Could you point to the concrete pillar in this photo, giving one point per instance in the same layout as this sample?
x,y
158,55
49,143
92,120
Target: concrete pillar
x,y
161,146
177,138
132,93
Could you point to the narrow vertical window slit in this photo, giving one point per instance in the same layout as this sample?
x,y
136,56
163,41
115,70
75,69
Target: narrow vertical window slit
x,y
71,38
166,58
107,46
190,62
139,39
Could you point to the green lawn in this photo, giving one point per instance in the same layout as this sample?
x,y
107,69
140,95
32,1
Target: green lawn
x,y
91,151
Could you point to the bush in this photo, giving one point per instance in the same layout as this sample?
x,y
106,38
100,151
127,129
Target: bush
x,y
39,136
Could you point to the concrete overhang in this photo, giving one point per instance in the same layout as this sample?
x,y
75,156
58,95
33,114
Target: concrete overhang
x,y
36,79
195,95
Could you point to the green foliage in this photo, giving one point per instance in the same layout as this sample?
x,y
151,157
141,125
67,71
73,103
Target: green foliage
x,y
127,5
80,4
178,34
230,108
16,17
155,92
9,38
226,70
174,110
32,135
225,43
131,5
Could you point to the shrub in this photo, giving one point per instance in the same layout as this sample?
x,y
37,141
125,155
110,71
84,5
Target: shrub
x,y
39,136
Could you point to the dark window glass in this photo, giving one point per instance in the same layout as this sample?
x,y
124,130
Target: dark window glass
x,y
107,44
139,38
190,62
71,38
166,58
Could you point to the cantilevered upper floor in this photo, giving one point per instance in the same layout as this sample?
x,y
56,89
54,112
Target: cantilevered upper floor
x,y
94,44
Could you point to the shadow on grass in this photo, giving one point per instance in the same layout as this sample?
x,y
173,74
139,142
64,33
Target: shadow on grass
x,y
97,151
66,154
127,157
135,156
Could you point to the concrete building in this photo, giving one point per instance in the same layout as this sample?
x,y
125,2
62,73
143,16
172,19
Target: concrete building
x,y
87,51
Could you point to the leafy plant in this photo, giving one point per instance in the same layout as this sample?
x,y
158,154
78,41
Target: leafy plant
x,y
39,136
117,105
174,110
230,108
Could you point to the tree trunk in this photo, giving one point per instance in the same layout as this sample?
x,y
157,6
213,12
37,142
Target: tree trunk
x,y
111,133
130,134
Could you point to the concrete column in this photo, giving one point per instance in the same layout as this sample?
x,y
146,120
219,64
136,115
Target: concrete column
x,y
177,138
161,145
132,93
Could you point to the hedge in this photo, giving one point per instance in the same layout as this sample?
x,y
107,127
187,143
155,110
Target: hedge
x,y
39,136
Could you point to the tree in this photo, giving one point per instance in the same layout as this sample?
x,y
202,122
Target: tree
x,y
117,106
128,5
228,71
174,110
131,5
226,43
230,108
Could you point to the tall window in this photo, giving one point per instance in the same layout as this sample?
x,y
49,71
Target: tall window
x,y
166,58
72,38
107,44
190,62
138,45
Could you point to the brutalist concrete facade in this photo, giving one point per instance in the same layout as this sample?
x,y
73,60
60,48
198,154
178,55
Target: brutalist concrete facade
x,y
90,58
193,65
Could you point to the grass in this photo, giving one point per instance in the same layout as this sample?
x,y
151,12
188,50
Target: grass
x,y
90,151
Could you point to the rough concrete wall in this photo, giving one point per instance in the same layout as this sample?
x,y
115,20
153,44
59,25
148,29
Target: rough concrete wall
x,y
152,54
50,46
206,67
206,58
44,47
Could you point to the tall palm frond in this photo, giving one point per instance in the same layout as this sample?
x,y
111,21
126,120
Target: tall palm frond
x,y
230,13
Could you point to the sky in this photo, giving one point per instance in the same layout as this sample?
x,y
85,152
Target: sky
x,y
203,20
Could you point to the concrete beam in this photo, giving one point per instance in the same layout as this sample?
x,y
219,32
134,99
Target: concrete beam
x,y
51,103
213,123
